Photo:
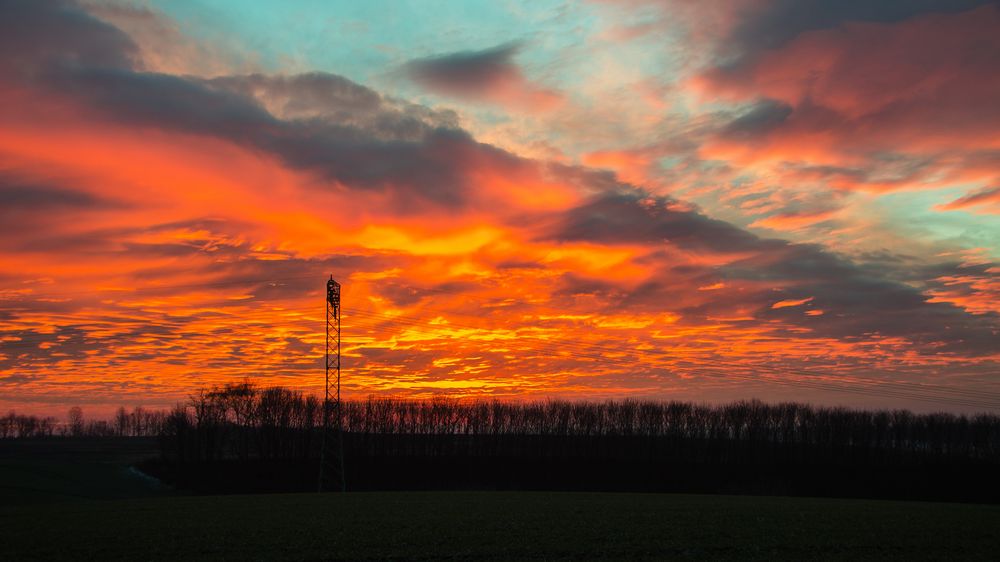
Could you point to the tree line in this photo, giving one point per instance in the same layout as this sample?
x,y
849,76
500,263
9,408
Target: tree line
x,y
247,421
139,422
244,421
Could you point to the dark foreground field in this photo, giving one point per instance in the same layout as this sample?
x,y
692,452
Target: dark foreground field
x,y
81,500
497,526
57,470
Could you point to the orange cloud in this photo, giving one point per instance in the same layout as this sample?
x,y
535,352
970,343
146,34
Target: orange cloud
x,y
873,106
630,165
793,302
986,199
793,221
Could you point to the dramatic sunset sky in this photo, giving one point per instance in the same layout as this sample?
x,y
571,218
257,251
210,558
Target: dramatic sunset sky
x,y
780,199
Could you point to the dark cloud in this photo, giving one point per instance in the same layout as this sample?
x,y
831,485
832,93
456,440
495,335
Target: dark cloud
x,y
308,91
353,137
39,231
783,20
762,117
337,100
519,265
573,285
166,101
44,348
429,171
897,103
858,300
418,170
34,33
466,72
19,195
406,294
18,379
631,217
31,210
490,75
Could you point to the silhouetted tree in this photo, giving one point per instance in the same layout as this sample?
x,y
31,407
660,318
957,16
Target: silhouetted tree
x,y
74,420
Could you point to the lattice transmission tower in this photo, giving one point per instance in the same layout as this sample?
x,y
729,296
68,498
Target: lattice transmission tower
x,y
331,456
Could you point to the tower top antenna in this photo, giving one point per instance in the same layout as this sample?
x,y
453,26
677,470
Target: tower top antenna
x,y
333,296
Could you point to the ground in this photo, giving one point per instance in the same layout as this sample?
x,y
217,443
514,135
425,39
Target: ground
x,y
36,471
497,526
82,502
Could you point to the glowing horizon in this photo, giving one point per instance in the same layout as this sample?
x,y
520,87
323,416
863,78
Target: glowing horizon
x,y
609,199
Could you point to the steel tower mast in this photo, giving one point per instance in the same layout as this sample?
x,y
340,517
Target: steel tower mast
x,y
331,456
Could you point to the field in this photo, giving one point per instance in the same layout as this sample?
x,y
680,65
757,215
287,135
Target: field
x,y
71,500
57,470
497,526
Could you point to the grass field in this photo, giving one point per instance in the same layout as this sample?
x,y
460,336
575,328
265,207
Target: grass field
x,y
58,470
497,526
78,500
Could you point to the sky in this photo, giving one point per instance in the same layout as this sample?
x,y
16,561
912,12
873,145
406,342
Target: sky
x,y
789,200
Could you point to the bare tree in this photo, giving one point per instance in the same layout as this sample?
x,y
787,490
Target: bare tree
x,y
74,420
